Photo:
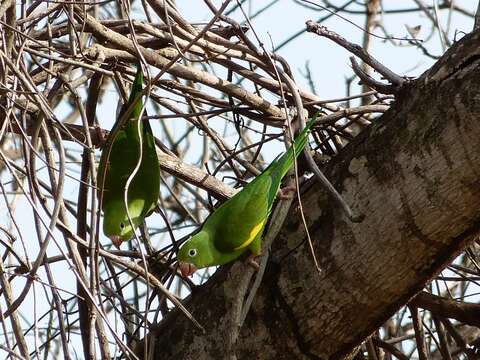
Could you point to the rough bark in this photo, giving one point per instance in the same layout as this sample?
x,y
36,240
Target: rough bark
x,y
415,175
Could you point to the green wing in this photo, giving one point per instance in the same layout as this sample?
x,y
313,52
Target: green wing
x,y
240,220
133,139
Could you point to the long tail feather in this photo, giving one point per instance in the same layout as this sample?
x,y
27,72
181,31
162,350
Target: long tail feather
x,y
284,163
137,88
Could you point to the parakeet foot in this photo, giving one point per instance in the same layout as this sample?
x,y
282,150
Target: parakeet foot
x,y
101,135
251,261
286,192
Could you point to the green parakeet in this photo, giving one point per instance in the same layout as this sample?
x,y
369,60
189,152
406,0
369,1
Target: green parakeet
x,y
238,224
133,141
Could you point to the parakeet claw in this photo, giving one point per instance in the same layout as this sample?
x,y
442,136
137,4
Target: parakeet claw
x,y
187,269
286,192
101,135
251,260
116,240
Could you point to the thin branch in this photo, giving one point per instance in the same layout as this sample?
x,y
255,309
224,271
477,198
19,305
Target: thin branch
x,y
357,50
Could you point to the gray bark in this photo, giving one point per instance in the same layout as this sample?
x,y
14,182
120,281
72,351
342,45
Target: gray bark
x,y
415,175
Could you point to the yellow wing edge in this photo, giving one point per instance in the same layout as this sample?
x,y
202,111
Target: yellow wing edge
x,y
253,234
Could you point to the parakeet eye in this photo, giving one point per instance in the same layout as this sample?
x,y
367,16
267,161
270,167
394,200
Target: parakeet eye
x,y
122,226
192,252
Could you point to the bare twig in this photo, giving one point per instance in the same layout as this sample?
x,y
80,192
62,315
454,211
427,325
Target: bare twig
x,y
357,50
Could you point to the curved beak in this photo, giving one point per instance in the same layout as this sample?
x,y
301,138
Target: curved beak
x,y
186,269
116,240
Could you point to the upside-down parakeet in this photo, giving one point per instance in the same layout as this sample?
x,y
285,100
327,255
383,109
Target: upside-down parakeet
x,y
238,224
133,141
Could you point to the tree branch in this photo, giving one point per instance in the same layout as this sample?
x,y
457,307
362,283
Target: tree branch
x,y
448,308
414,176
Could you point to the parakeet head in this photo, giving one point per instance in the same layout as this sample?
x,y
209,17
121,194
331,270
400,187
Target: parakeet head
x,y
116,225
195,254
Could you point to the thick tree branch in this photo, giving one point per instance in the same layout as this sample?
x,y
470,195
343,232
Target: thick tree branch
x,y
464,312
414,175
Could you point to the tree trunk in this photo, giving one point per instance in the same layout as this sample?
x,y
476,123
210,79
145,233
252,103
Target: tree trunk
x,y
415,175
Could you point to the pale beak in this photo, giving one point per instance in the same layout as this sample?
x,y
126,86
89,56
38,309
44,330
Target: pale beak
x,y
187,269
116,240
